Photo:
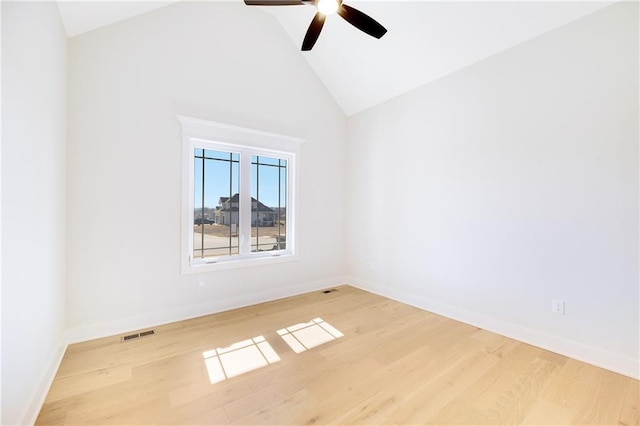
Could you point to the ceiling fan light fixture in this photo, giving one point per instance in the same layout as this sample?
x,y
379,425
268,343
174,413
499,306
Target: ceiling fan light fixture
x,y
361,21
327,7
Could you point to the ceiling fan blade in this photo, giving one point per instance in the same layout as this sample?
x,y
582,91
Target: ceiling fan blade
x,y
313,32
274,2
361,21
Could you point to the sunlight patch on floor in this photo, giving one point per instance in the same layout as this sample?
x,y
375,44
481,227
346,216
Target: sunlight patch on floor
x,y
252,354
239,358
304,336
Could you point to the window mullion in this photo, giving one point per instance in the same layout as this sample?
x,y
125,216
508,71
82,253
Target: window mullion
x,y
189,157
202,207
290,203
245,203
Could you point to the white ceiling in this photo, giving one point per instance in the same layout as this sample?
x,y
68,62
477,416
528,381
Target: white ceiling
x,y
425,41
82,16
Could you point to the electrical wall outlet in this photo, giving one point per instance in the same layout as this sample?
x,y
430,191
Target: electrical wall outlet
x,y
557,306
200,282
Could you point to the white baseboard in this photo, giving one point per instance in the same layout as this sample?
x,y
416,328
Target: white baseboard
x,y
110,328
572,349
33,409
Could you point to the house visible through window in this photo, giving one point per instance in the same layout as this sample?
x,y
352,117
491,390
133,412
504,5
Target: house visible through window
x,y
216,214
240,199
215,228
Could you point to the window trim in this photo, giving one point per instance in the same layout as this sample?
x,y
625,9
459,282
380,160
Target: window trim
x,y
196,132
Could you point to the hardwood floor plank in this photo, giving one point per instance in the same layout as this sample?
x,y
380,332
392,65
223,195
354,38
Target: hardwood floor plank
x,y
459,412
630,414
605,400
426,400
70,386
215,416
203,392
546,413
513,405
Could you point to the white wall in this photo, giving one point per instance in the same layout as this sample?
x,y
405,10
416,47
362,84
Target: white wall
x,y
217,61
34,76
487,193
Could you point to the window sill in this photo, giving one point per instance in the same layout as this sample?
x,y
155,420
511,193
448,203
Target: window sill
x,y
246,262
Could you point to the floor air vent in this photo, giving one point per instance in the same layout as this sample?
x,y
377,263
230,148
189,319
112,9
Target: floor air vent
x,y
137,335
130,337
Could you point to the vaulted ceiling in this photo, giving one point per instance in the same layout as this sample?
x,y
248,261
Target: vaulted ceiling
x,y
425,40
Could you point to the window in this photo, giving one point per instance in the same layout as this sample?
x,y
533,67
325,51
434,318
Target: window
x,y
238,196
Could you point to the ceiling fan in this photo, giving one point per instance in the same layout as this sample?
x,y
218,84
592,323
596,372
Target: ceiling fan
x,y
353,16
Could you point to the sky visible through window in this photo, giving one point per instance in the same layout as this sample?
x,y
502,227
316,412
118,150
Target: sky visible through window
x,y
220,181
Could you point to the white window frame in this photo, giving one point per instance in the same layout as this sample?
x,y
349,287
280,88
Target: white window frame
x,y
198,133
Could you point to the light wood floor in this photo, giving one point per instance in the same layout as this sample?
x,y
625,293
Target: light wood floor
x,y
395,364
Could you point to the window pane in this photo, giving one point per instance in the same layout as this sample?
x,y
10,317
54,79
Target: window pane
x,y
268,203
220,155
266,160
216,201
